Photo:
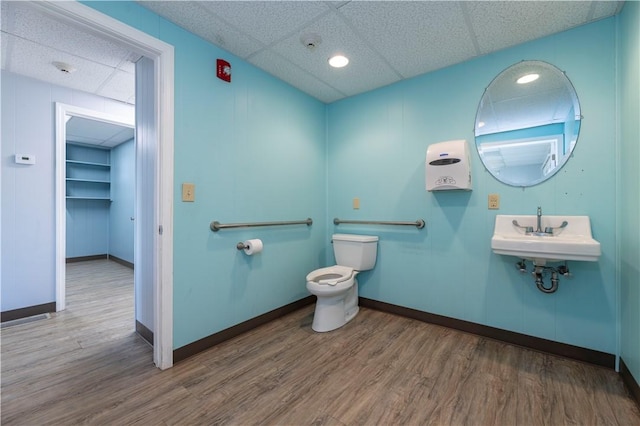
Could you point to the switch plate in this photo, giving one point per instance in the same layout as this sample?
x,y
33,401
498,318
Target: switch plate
x,y
356,203
494,201
188,192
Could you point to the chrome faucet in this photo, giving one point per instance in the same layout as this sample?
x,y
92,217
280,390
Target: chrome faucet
x,y
539,231
539,214
549,229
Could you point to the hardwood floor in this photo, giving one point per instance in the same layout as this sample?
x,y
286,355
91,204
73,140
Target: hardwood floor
x,y
77,368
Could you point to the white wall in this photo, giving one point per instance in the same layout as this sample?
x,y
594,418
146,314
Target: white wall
x,y
27,214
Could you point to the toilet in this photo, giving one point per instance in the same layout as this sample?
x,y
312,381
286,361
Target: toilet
x,y
336,286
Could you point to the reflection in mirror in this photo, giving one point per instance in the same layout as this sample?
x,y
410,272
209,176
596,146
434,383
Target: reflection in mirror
x,y
527,128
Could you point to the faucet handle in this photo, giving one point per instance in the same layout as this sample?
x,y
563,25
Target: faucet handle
x,y
549,229
527,229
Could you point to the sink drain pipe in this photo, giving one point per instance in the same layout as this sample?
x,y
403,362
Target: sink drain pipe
x,y
554,283
538,272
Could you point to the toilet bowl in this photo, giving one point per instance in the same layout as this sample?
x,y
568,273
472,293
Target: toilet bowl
x,y
337,290
336,286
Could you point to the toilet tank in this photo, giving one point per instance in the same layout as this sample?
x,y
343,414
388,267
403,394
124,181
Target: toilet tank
x,y
356,251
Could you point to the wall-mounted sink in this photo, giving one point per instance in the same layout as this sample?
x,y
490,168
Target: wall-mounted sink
x,y
570,242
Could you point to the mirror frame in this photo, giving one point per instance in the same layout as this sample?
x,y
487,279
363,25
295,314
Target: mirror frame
x,y
509,135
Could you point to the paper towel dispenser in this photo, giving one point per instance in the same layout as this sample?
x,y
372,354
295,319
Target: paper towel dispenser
x,y
448,167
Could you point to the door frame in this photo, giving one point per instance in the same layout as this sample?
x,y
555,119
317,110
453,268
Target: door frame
x,y
162,55
63,110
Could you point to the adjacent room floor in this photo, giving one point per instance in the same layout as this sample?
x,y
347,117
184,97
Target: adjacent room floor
x,y
86,365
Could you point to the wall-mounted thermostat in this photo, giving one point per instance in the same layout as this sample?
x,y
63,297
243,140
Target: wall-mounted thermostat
x,y
25,159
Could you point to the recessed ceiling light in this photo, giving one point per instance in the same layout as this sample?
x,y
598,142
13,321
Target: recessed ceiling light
x,y
528,78
338,61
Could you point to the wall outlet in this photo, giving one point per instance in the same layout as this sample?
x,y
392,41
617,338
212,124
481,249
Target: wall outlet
x,y
188,192
356,203
494,201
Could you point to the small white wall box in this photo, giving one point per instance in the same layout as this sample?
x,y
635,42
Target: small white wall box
x,y
25,159
448,167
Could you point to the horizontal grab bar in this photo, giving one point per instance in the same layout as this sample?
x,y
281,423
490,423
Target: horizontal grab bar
x,y
216,226
418,223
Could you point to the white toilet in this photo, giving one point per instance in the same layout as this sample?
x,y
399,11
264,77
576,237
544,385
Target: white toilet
x,y
336,286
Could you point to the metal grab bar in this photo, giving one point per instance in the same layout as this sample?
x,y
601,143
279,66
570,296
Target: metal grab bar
x,y
216,226
418,223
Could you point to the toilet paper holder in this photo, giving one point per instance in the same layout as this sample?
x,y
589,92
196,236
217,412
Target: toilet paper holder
x,y
241,245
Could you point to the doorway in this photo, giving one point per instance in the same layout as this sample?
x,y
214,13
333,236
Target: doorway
x,y
100,203
156,103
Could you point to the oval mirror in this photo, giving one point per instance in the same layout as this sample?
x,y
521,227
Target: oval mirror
x,y
527,123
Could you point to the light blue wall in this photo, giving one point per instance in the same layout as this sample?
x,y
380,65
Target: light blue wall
x,y
629,173
121,229
28,216
255,149
377,145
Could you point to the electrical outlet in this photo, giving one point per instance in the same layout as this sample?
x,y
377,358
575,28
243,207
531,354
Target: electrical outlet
x,y
494,201
356,203
188,192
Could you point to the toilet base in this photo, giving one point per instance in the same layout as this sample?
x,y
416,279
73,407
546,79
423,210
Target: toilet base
x,y
335,311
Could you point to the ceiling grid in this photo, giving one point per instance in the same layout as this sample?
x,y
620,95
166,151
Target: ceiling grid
x,y
386,41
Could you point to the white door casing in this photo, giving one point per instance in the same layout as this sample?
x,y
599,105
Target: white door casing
x,y
61,112
162,55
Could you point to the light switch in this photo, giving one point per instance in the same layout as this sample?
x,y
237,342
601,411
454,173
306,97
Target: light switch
x,y
494,201
188,192
356,203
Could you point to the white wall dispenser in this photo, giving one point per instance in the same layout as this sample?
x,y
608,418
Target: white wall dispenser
x,y
448,167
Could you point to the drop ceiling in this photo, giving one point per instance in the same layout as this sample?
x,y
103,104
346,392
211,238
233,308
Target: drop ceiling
x,y
386,41
85,131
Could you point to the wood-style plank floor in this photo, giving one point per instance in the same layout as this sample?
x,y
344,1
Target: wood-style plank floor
x,y
87,366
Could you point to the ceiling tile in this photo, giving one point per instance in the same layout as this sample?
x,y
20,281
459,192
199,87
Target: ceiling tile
x,y
602,9
193,17
120,85
267,21
507,23
303,80
34,60
366,70
95,132
30,24
5,50
418,44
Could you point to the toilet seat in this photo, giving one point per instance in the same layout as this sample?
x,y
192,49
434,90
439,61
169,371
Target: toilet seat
x,y
331,275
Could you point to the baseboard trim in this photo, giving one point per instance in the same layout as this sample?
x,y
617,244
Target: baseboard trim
x,y
205,343
144,332
543,345
29,311
85,258
121,261
630,382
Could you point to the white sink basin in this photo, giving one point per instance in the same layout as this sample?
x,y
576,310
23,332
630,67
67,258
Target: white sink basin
x,y
573,242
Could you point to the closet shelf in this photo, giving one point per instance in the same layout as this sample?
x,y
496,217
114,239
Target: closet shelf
x,y
88,180
71,197
88,163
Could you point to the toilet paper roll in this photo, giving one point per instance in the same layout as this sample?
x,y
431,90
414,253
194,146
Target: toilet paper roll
x,y
252,246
